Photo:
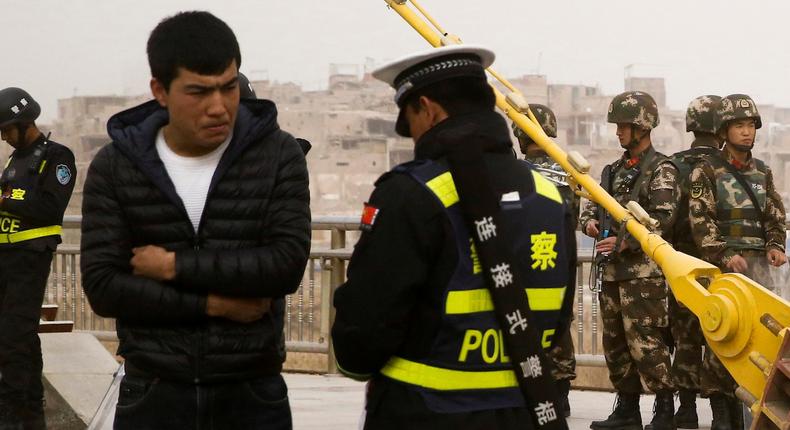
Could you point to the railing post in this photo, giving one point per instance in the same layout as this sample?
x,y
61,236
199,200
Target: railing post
x,y
338,276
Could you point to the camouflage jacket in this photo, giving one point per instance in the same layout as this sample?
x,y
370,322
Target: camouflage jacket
x,y
658,194
723,219
685,161
543,161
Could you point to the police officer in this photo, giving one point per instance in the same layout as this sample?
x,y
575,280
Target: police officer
x,y
738,222
437,312
562,355
36,186
700,120
633,293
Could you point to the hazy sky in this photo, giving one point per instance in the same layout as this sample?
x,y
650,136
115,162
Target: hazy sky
x,y
57,48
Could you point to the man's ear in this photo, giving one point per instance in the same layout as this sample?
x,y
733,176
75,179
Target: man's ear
x,y
159,92
435,111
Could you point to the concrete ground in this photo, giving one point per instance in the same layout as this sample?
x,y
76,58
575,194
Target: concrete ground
x,y
335,403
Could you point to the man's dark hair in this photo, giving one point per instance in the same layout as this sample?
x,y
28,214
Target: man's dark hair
x,y
197,41
457,95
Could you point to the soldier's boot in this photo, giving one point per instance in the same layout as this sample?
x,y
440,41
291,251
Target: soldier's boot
x,y
736,413
686,416
563,405
663,412
720,407
625,416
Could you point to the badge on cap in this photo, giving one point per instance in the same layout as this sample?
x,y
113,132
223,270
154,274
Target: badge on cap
x,y
369,215
63,174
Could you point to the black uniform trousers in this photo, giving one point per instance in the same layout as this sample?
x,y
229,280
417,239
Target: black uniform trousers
x,y
23,279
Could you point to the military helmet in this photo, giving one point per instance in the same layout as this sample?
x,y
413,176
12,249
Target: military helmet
x,y
17,107
246,91
738,106
634,107
701,114
546,119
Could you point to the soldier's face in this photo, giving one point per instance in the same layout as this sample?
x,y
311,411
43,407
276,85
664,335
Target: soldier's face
x,y
741,132
624,134
202,108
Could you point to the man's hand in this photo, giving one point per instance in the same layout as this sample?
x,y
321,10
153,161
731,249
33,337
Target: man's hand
x,y
737,264
591,228
154,262
776,257
606,246
243,310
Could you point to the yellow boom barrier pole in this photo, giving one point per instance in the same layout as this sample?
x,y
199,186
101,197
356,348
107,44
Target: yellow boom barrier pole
x,y
743,322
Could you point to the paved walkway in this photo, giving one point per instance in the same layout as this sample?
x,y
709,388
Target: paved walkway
x,y
335,403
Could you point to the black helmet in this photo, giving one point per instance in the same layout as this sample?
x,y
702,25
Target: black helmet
x,y
245,88
17,107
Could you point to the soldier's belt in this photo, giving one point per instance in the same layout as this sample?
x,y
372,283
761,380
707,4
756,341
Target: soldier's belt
x,y
33,233
437,378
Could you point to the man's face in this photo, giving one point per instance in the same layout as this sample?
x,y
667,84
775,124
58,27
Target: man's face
x,y
741,132
624,134
10,134
202,108
419,121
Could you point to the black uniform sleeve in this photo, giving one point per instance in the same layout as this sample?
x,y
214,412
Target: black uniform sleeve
x,y
47,202
275,268
566,313
112,289
389,267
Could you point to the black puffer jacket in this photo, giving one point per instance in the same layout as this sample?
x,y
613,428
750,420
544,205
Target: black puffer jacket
x,y
253,240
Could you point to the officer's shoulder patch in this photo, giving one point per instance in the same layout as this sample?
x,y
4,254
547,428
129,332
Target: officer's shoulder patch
x,y
368,219
63,174
696,190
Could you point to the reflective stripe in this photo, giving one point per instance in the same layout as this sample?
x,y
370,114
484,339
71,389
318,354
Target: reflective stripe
x,y
472,301
33,233
438,378
444,188
545,188
41,169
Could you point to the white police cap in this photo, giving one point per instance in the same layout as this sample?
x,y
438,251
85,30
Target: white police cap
x,y
421,69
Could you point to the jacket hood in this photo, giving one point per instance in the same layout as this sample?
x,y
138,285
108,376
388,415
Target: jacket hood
x,y
134,130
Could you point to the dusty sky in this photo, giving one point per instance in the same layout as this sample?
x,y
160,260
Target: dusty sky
x,y
56,48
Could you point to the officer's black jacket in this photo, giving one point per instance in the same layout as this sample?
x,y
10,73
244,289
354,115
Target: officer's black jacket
x,y
45,197
399,270
253,240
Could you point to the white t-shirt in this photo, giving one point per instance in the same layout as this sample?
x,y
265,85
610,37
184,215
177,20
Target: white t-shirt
x,y
190,175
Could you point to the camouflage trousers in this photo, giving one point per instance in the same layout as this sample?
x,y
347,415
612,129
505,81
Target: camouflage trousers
x,y
715,379
688,339
634,314
563,357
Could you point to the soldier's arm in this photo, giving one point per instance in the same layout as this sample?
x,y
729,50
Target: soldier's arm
x,y
389,267
589,213
775,235
663,198
703,216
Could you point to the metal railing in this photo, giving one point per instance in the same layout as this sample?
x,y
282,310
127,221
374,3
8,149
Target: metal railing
x,y
309,311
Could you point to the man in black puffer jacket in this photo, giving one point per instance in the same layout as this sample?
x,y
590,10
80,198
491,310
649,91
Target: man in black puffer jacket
x,y
196,224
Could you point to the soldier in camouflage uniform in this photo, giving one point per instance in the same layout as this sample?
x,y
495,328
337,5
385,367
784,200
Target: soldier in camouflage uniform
x,y
634,294
686,332
732,231
563,354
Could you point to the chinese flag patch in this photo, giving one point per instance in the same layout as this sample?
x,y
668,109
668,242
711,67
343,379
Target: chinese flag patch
x,y
369,214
